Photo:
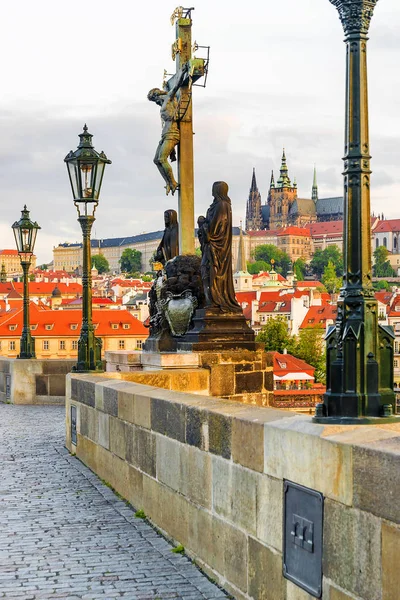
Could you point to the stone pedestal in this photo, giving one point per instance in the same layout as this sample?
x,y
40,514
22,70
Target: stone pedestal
x,y
214,331
169,360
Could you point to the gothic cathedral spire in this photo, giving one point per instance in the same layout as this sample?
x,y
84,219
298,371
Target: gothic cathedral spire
x,y
253,209
314,193
284,180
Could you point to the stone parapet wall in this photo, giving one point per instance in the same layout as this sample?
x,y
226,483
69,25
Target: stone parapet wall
x,y
33,381
210,473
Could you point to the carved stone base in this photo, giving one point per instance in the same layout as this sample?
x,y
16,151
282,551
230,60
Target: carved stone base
x,y
214,330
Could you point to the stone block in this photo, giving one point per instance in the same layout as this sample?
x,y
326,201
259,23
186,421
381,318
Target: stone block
x,y
57,367
118,435
169,419
88,423
120,480
104,430
270,511
105,466
220,434
42,385
194,425
84,420
377,480
74,388
352,547
142,411
110,401
199,477
174,514
146,450
125,406
135,489
266,581
222,380
294,451
248,444
98,397
244,367
235,557
87,452
85,392
173,464
207,538
57,385
269,380
248,383
234,493
390,561
152,500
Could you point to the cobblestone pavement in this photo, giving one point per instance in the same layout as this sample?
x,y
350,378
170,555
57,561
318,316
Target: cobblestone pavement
x,y
64,534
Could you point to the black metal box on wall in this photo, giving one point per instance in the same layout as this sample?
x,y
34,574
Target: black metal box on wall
x,y
302,537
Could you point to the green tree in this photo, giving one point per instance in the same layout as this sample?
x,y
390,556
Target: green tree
x,y
382,266
299,269
322,257
330,280
131,261
257,267
275,334
100,263
268,252
382,285
309,346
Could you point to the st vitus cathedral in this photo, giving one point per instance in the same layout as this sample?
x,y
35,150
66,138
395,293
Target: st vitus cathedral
x,y
284,208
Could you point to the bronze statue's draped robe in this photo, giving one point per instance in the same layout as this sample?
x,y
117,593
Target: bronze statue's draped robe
x,y
217,255
169,245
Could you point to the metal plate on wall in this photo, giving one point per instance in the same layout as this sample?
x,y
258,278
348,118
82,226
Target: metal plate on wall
x,y
73,424
302,537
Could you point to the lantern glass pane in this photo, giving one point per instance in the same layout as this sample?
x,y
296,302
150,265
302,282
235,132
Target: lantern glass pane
x,y
26,239
17,238
86,176
99,178
33,238
74,178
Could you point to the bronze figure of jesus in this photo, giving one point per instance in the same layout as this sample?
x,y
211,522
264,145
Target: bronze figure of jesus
x,y
170,135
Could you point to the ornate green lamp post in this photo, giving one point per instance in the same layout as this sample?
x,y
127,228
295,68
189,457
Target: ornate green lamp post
x,y
25,232
359,352
86,169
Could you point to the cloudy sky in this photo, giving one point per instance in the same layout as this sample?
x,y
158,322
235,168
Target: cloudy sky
x,y
276,80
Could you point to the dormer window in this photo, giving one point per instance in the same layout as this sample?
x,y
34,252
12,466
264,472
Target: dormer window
x,y
12,327
126,326
114,325
74,326
33,327
49,326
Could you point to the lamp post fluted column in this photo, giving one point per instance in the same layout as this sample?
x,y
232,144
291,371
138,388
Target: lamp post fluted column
x,y
359,351
27,343
89,346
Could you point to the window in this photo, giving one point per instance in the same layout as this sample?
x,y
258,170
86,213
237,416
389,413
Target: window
x,y
114,325
126,326
377,243
48,326
395,363
12,327
74,326
11,345
45,344
74,344
121,344
62,344
385,242
139,344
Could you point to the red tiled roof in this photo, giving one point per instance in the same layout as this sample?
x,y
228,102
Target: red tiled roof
x,y
326,228
299,231
318,315
266,274
292,365
308,284
387,226
246,297
9,252
63,319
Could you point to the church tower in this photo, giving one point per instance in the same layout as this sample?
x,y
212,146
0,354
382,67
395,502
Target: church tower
x,y
253,209
314,193
242,280
281,197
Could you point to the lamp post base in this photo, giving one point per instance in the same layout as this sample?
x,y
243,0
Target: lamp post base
x,y
89,354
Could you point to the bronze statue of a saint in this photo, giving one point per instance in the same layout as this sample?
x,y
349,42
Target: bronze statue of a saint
x,y
170,135
169,245
215,236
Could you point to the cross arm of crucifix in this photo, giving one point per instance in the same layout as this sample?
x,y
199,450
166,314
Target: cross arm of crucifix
x,y
190,71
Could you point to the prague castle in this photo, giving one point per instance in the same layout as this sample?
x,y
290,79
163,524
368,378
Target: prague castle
x,y
284,208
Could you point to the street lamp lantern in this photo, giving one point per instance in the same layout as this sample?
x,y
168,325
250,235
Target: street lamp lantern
x,y
25,232
85,170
